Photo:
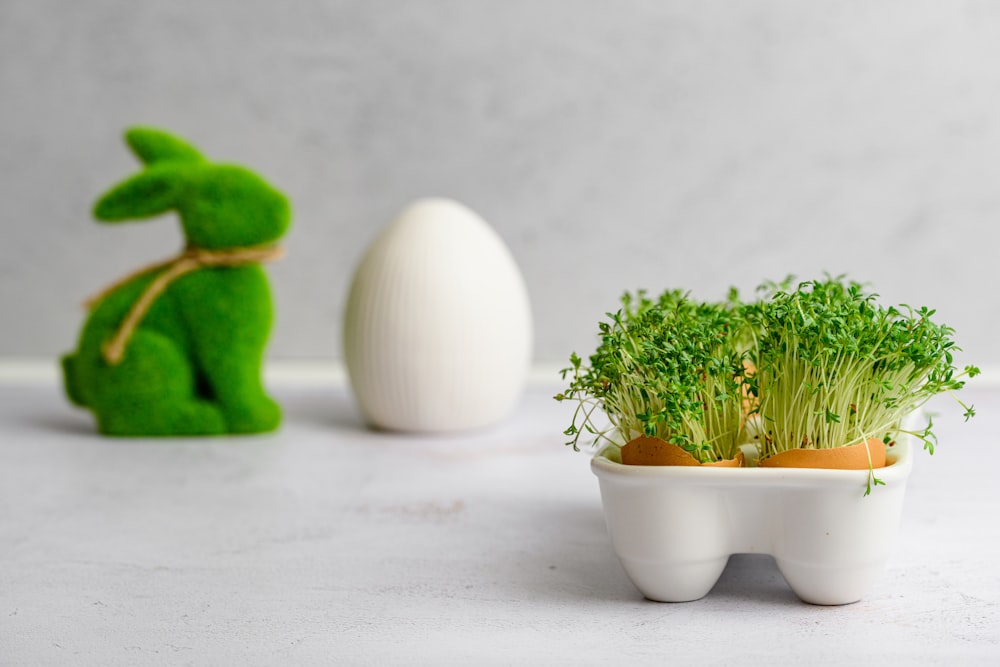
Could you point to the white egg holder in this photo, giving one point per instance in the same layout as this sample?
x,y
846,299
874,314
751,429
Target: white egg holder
x,y
674,528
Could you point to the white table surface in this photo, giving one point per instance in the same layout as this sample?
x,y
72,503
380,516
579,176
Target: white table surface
x,y
328,543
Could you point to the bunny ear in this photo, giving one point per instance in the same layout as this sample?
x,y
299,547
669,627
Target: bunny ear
x,y
152,146
148,193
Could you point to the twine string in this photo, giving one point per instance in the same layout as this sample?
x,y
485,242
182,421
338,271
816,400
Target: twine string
x,y
170,270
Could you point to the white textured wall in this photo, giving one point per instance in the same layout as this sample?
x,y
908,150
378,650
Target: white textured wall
x,y
612,144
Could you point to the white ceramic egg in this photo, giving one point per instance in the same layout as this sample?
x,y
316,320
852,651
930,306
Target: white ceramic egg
x,y
437,330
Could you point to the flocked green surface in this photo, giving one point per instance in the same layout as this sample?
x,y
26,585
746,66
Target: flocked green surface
x,y
193,365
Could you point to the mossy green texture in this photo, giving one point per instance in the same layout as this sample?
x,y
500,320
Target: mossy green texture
x,y
193,364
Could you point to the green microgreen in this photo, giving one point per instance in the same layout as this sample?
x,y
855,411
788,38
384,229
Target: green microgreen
x,y
833,367
815,365
670,368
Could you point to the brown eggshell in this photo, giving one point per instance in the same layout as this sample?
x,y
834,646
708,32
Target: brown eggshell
x,y
647,451
852,457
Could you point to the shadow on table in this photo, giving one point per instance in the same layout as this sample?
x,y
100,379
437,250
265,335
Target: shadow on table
x,y
582,565
753,577
68,424
315,408
323,408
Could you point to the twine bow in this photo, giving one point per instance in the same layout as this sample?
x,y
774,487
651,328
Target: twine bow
x,y
172,269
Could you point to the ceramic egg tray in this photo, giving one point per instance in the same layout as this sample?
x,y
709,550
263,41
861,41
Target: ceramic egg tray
x,y
674,528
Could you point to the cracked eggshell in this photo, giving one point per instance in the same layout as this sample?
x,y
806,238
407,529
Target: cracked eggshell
x,y
437,330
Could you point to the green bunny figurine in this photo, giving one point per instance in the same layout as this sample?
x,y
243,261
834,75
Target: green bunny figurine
x,y
177,348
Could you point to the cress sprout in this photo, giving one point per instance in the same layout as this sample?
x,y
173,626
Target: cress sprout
x,y
670,368
833,367
817,365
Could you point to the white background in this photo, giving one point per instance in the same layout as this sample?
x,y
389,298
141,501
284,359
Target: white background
x,y
613,145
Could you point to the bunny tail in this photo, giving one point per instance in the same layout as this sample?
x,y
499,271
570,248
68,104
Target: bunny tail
x,y
72,381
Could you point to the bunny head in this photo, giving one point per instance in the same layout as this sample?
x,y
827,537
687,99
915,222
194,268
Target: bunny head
x,y
220,206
